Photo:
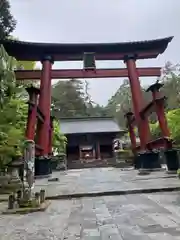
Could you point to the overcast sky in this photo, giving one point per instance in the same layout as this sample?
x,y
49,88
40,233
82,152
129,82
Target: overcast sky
x,y
100,21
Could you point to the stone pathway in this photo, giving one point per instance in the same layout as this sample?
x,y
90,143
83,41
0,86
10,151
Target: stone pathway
x,y
130,217
124,217
104,180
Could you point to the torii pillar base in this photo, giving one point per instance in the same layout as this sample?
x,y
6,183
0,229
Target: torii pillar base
x,y
129,117
42,167
137,164
148,160
171,155
42,163
172,159
141,161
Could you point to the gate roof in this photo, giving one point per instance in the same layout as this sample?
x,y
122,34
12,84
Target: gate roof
x,y
89,125
31,51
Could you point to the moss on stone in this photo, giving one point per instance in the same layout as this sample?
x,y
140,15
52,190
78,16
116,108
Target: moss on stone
x,y
28,204
8,189
26,210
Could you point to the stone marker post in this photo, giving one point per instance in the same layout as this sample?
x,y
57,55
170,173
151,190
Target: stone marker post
x,y
29,159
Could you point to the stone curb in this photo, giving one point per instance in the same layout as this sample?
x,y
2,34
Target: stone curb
x,y
113,193
43,176
146,179
3,199
42,208
155,170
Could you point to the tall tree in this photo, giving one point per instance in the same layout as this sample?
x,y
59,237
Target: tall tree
x,y
7,21
72,99
120,102
59,140
12,128
93,109
68,99
13,108
171,88
8,84
7,77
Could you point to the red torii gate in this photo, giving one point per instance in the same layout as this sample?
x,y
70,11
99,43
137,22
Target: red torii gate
x,y
47,53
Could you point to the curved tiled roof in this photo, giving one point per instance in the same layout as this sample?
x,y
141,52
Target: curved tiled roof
x,y
74,51
89,125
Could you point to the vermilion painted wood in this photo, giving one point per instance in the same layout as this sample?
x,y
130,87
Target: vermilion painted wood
x,y
44,106
137,99
32,112
79,73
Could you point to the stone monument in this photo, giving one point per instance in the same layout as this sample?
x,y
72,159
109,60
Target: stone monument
x,y
29,160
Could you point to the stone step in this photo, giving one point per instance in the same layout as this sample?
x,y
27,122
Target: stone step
x,y
97,163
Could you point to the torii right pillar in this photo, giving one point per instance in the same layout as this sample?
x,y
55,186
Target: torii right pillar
x,y
172,159
142,124
43,162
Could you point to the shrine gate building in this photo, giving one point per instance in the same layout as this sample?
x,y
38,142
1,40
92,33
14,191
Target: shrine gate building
x,y
129,52
89,139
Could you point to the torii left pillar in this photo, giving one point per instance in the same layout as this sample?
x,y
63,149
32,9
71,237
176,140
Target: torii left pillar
x,y
43,163
32,112
132,135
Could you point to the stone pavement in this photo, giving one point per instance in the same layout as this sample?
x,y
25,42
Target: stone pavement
x,y
124,217
128,217
96,180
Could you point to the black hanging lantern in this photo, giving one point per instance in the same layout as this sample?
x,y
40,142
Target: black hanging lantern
x,y
89,61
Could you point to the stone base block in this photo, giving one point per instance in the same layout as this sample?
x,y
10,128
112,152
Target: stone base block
x,y
42,166
54,164
137,163
154,159
27,210
147,160
172,159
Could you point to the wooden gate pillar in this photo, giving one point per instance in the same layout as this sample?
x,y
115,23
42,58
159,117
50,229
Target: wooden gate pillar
x,y
142,124
132,135
45,105
43,163
159,102
32,112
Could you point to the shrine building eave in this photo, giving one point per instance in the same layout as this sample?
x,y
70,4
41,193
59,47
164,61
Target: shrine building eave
x,y
90,125
29,51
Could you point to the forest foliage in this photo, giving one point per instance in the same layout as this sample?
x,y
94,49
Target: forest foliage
x,y
14,110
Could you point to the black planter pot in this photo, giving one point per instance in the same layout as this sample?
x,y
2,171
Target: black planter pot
x,y
54,165
162,158
172,159
137,162
145,161
149,160
42,166
154,160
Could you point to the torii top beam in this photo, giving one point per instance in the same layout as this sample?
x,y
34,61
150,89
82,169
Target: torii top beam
x,y
28,51
79,73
